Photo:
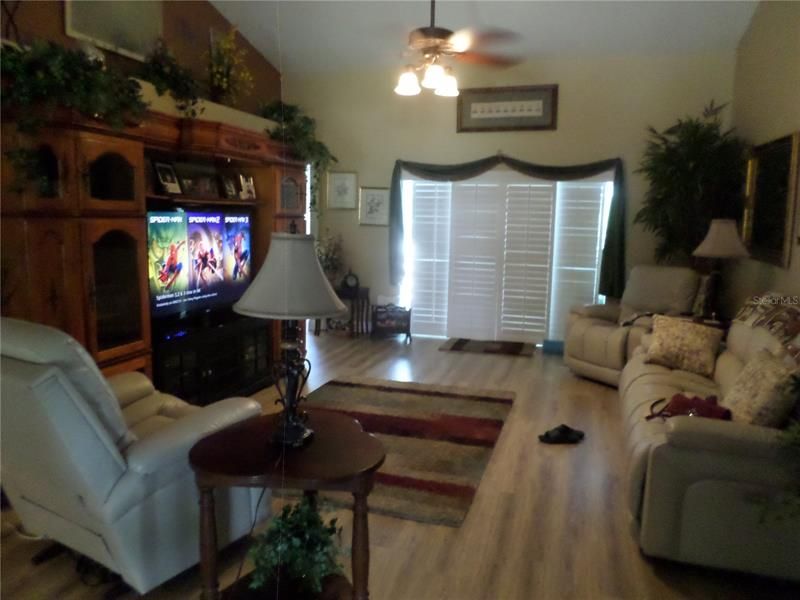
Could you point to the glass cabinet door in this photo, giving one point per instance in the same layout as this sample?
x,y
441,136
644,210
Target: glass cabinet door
x,y
39,174
112,174
114,261
291,193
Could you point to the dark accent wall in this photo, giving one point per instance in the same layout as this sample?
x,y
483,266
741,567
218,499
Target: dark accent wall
x,y
186,32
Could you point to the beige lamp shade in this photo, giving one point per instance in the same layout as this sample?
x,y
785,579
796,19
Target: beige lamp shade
x,y
290,284
722,241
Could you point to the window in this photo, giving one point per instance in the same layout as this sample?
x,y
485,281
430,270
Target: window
x,y
501,256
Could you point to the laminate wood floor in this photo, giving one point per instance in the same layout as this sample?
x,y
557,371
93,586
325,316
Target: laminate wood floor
x,y
547,521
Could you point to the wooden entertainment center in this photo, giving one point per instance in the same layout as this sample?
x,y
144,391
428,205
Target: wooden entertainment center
x,y
75,246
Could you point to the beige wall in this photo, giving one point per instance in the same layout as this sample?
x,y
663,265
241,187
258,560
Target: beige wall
x,y
605,104
766,107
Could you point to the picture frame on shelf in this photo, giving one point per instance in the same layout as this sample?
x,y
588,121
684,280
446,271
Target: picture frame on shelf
x,y
373,206
515,108
247,187
197,181
342,190
229,189
167,178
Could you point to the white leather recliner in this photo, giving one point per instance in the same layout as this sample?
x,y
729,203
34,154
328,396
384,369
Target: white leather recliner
x,y
101,466
601,337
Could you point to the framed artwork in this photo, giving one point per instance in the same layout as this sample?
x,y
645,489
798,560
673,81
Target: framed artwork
x,y
229,189
772,193
519,108
248,187
373,206
165,173
127,27
197,181
342,190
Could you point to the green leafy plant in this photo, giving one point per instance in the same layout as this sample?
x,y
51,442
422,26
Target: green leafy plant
x,y
39,79
696,173
299,132
228,76
163,71
297,545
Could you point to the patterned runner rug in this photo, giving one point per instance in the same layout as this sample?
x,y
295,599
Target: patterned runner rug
x,y
486,347
438,441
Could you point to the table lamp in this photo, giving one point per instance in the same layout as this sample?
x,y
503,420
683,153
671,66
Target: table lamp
x,y
722,241
291,286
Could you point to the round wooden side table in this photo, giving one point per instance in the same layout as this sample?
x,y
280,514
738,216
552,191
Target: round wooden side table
x,y
341,456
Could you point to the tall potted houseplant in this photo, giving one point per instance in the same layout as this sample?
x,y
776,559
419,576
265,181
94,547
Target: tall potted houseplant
x,y
695,171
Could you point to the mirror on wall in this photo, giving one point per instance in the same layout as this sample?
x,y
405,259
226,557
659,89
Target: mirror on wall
x,y
772,190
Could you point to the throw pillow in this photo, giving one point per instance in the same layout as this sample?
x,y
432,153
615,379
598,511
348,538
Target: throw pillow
x,y
681,344
761,394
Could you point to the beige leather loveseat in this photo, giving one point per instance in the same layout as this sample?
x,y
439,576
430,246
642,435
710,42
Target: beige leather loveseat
x,y
697,486
601,337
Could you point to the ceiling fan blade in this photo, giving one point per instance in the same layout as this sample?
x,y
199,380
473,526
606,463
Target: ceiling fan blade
x,y
468,38
492,60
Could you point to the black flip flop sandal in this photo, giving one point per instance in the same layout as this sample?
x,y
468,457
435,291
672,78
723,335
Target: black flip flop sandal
x,y
563,434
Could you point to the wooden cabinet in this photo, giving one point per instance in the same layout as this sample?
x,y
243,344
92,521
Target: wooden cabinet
x,y
74,238
41,272
39,174
115,280
111,174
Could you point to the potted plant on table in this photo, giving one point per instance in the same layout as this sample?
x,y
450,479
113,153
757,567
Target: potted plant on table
x,y
296,552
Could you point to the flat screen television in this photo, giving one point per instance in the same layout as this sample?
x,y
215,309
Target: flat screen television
x,y
197,260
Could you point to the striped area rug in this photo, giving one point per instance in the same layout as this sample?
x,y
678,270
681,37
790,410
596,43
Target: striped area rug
x,y
438,441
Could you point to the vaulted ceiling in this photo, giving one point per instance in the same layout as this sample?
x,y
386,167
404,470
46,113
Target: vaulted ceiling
x,y
301,37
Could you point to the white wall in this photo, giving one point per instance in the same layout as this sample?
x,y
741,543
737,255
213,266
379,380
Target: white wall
x,y
766,107
605,104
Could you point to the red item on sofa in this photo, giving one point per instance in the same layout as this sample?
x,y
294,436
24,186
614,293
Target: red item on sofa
x,y
694,406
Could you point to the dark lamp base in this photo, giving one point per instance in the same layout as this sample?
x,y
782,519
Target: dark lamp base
x,y
293,434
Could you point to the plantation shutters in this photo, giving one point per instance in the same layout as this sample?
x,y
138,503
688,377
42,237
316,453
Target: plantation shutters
x,y
527,257
502,256
427,211
581,219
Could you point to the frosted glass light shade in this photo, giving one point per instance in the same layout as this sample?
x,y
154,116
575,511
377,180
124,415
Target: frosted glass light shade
x,y
449,85
434,74
407,85
722,241
291,284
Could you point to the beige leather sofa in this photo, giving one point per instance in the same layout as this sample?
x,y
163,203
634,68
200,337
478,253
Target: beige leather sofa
x,y
597,344
696,485
101,466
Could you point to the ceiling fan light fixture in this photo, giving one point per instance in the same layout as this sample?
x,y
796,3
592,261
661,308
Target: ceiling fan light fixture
x,y
449,85
460,41
408,84
434,74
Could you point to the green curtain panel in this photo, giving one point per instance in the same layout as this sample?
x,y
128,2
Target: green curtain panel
x,y
612,267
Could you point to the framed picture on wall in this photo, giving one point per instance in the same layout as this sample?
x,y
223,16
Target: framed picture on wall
x,y
773,178
128,27
342,190
518,108
373,206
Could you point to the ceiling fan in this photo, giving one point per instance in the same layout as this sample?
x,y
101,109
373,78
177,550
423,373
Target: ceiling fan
x,y
432,43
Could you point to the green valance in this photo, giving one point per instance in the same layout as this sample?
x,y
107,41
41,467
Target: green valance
x,y
612,266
